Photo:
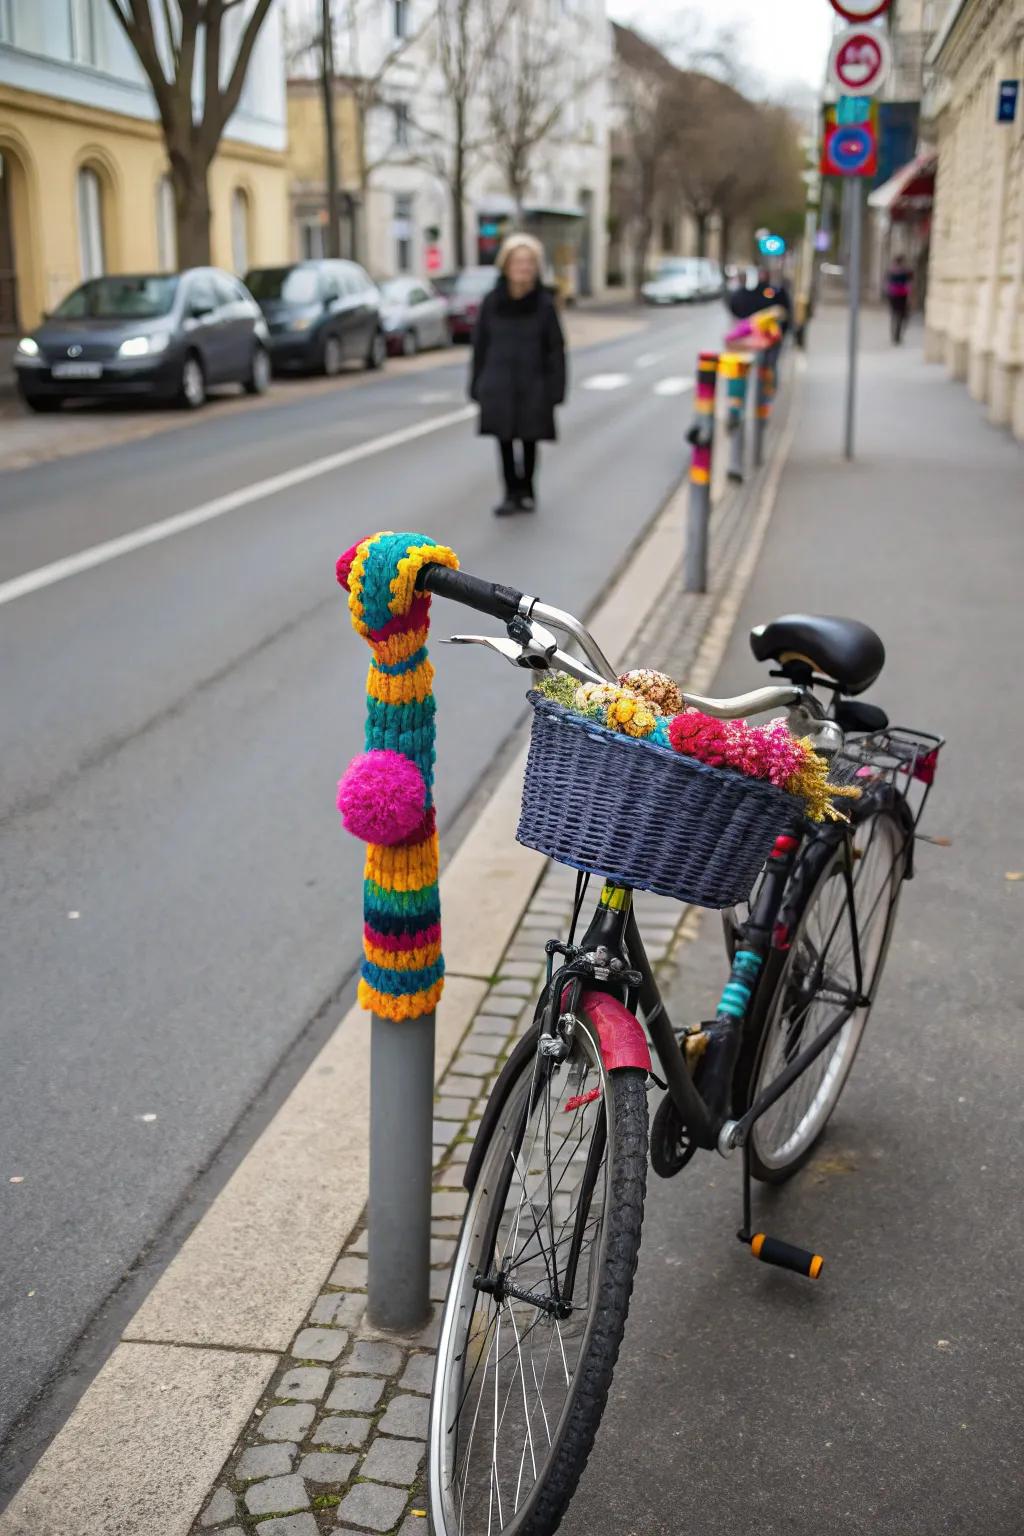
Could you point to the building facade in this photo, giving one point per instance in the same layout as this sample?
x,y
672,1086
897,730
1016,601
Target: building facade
x,y
388,54
975,311
83,172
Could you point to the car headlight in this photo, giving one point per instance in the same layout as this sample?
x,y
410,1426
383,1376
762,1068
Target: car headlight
x,y
303,322
142,346
27,347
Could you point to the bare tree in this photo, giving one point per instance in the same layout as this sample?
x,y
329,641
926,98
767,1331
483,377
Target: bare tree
x,y
529,84
168,40
717,167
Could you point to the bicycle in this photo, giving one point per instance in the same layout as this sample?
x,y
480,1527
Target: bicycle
x,y
543,1272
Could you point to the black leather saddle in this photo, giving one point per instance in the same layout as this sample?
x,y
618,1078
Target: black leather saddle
x,y
845,650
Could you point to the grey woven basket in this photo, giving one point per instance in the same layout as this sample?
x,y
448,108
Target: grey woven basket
x,y
645,815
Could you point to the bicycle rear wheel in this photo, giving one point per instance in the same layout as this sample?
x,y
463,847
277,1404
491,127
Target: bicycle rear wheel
x,y
812,980
552,1230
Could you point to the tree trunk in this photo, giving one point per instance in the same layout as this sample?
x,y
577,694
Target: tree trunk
x,y
724,238
330,144
641,246
458,196
702,234
192,207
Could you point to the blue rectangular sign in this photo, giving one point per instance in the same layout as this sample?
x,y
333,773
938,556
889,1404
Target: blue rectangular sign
x,y
1009,91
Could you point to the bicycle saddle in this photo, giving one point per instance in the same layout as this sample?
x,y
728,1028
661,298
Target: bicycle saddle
x,y
844,650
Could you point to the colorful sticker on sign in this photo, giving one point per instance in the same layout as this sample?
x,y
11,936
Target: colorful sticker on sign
x,y
860,61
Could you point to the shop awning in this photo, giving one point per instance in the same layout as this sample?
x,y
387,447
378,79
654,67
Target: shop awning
x,y
911,190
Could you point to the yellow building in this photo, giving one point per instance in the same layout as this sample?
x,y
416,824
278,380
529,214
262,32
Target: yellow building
x,y
83,171
307,183
975,309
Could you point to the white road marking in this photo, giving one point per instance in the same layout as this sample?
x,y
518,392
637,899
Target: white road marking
x,y
436,396
181,522
673,386
648,359
606,381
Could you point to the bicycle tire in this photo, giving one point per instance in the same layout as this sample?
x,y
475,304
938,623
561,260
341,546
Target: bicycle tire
x,y
774,1160
611,1266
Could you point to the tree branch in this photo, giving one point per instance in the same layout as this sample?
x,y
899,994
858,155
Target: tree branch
x,y
233,89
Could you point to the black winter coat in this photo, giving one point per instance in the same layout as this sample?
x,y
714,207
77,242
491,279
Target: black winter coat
x,y
518,365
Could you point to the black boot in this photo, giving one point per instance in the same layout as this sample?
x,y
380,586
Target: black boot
x,y
525,499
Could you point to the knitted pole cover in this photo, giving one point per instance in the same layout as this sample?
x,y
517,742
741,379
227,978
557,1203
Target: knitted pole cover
x,y
386,795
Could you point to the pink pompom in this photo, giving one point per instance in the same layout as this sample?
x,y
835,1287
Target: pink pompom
x,y
381,797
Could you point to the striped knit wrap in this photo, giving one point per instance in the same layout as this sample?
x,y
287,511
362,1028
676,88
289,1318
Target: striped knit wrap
x,y
403,968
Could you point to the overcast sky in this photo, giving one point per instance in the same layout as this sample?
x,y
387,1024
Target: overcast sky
x,y
782,40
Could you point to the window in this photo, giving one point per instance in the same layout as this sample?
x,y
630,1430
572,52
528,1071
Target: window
x,y
85,32
6,22
91,255
419,295
402,229
400,17
201,295
330,285
239,229
166,226
224,288
401,111
120,298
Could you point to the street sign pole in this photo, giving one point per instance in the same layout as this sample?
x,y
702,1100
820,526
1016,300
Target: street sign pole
x,y
855,211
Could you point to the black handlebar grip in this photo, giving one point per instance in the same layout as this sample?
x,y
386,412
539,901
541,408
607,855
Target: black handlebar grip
x,y
486,596
772,1250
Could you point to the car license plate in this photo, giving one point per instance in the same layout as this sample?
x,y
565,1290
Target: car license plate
x,y
77,370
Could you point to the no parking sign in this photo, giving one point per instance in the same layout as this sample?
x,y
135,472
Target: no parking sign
x,y
850,148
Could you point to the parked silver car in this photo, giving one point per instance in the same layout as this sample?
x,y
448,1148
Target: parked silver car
x,y
413,315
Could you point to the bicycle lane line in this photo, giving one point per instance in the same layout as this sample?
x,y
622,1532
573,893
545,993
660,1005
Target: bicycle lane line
x,y
181,522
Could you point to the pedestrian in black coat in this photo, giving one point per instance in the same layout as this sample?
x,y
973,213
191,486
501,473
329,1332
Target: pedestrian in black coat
x,y
518,375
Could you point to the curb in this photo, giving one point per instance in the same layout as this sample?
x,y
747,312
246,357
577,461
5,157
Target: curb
x,y
147,1440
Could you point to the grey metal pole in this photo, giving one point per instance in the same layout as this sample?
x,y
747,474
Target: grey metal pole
x,y
401,1158
855,205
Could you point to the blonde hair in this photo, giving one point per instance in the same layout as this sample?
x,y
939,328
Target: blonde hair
x,y
516,242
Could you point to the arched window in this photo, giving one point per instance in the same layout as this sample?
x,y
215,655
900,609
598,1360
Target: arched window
x,y
240,230
166,226
91,253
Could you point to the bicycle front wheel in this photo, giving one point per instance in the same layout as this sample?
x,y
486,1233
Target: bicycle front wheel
x,y
538,1296
815,977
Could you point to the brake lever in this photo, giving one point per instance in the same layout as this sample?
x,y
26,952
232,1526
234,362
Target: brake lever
x,y
536,663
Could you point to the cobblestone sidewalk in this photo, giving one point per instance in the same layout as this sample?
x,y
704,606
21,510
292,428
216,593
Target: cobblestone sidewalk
x,y
339,1440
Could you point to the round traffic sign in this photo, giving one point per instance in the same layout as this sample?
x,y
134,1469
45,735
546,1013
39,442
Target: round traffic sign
x,y
860,61
851,148
861,10
772,245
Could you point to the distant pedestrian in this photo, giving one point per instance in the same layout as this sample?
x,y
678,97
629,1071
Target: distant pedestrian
x,y
898,283
518,375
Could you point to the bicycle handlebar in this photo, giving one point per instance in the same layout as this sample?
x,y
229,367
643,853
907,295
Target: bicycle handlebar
x,y
485,596
506,603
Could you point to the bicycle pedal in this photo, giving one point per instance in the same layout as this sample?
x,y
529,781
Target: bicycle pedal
x,y
772,1250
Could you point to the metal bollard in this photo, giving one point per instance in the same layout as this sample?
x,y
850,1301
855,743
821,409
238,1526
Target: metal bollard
x,y
701,438
401,1158
735,368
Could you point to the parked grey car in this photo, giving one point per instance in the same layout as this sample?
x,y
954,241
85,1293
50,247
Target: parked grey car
x,y
413,314
146,335
321,315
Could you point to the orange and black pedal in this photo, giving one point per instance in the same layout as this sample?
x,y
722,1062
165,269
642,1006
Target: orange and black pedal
x,y
772,1250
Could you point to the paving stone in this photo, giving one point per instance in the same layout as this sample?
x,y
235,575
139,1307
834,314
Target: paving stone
x,y
513,986
470,1063
350,1273
453,1109
356,1394
487,1024
447,1203
359,1245
445,1131
527,949
272,1460
524,969
448,1230
393,1461
496,1003
371,1505
373,1356
463,1087
287,1423
418,1375
291,1525
406,1416
340,1309
460,1153
308,1383
413,1525
277,1496
220,1508
442,1250
438,1286
318,1344
327,1467
344,1431
485,1045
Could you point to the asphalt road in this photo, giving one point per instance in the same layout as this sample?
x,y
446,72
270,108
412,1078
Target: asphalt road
x,y
181,907
886,1398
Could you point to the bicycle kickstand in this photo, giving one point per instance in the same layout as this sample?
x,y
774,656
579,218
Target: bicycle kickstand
x,y
772,1250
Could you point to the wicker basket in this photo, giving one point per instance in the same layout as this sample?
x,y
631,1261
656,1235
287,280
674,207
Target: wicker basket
x,y
645,815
